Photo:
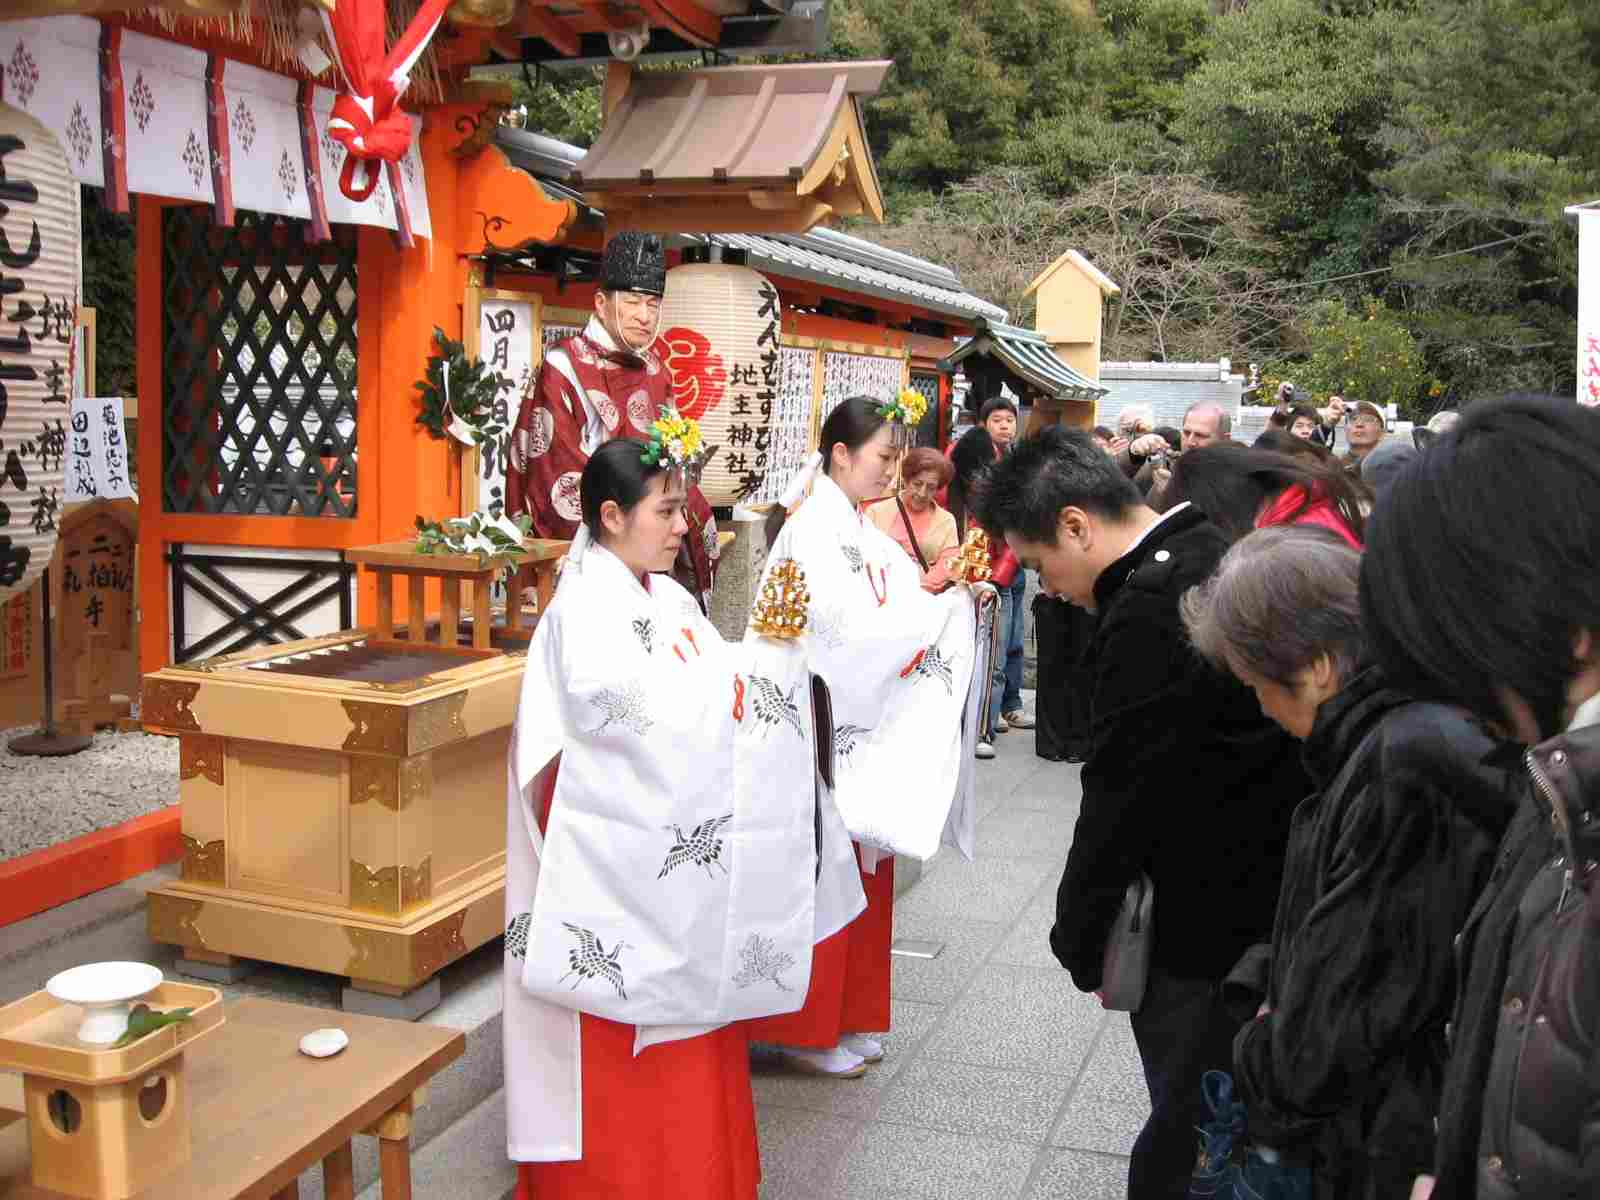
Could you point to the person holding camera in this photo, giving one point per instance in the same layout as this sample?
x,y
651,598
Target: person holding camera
x,y
1330,417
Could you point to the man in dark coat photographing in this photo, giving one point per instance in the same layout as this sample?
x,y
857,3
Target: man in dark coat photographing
x,y
1185,779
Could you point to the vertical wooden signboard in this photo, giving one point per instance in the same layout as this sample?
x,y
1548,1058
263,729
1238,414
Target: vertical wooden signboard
x,y
504,329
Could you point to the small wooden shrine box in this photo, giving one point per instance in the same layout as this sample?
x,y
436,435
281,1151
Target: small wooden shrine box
x,y
104,1124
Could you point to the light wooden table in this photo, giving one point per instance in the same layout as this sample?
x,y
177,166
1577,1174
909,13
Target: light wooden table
x,y
262,1112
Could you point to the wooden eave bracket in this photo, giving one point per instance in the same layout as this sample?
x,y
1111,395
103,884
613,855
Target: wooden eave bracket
x,y
842,173
501,207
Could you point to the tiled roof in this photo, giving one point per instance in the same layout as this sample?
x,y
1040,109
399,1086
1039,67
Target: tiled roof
x,y
821,256
1029,356
824,260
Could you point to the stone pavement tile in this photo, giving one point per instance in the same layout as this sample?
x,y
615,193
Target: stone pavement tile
x,y
1019,1018
800,1151
1024,833
1076,1175
899,1162
991,889
1028,943
1111,1102
936,980
982,1101
991,800
780,1090
913,1021
777,1087
1055,788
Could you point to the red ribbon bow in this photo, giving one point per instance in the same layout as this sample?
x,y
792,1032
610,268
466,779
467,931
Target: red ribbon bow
x,y
367,119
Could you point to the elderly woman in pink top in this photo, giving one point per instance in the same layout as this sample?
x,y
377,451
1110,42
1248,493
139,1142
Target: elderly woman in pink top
x,y
923,529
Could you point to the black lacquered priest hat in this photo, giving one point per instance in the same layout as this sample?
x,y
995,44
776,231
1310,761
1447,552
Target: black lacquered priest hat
x,y
634,262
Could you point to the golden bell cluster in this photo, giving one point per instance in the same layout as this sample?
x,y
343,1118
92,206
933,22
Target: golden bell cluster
x,y
972,565
780,610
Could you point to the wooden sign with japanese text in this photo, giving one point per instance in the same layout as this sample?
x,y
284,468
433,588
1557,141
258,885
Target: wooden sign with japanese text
x,y
99,542
503,329
17,634
97,454
1589,307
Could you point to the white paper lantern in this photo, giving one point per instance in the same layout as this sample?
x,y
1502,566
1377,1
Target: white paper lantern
x,y
720,325
39,289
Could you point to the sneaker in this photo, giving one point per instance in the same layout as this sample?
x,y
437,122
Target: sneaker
x,y
871,1051
1265,1176
835,1063
1017,719
1001,725
1215,1172
985,750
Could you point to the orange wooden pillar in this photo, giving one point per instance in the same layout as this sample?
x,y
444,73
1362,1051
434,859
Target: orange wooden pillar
x,y
154,604
404,295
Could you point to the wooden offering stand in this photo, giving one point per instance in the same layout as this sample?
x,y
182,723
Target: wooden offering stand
x,y
104,1124
390,559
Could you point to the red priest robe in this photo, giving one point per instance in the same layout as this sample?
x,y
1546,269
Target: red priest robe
x,y
585,394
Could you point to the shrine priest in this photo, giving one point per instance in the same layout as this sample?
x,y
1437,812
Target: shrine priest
x,y
604,383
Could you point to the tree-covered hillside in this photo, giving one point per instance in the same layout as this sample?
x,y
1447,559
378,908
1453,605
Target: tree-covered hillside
x,y
1267,179
1259,173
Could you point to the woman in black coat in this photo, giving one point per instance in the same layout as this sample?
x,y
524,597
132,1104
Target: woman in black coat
x,y
1482,586
1341,1069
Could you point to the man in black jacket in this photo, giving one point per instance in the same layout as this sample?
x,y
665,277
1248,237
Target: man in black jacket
x,y
1185,779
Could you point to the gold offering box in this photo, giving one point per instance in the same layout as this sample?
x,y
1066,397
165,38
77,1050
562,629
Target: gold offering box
x,y
343,804
103,1123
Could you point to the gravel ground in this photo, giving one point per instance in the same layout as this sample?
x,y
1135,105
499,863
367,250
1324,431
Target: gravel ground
x,y
46,801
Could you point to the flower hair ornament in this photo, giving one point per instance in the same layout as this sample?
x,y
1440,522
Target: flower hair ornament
x,y
904,413
676,444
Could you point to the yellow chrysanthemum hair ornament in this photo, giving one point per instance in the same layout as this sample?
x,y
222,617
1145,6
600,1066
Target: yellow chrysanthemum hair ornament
x,y
676,444
904,413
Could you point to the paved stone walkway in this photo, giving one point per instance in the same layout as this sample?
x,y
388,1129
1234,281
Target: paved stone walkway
x,y
1001,1080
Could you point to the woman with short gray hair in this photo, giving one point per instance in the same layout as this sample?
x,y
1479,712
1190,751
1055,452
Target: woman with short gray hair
x,y
1341,1070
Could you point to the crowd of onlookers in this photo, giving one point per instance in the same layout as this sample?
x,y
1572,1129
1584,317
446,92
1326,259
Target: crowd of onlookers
x,y
1343,714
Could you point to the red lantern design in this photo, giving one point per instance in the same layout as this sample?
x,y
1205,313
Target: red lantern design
x,y
698,375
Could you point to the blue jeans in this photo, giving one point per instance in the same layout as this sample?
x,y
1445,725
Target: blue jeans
x,y
1012,618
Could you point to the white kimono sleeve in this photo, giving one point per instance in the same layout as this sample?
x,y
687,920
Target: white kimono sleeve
x,y
898,662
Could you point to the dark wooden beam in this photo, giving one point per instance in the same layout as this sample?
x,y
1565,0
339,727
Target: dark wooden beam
x,y
686,19
533,21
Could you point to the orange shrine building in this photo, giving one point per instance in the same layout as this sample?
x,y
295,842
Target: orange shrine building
x,y
282,327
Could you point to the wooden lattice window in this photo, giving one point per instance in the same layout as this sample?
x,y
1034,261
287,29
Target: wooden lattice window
x,y
259,366
928,384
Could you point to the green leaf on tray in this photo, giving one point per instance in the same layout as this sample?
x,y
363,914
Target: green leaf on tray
x,y
144,1020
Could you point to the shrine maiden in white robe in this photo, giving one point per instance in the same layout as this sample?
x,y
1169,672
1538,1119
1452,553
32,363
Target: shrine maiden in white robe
x,y
905,670
675,885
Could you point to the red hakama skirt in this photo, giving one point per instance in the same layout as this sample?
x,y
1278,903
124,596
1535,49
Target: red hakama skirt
x,y
849,990
677,1121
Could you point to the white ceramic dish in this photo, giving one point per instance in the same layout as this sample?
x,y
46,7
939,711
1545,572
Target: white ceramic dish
x,y
104,991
